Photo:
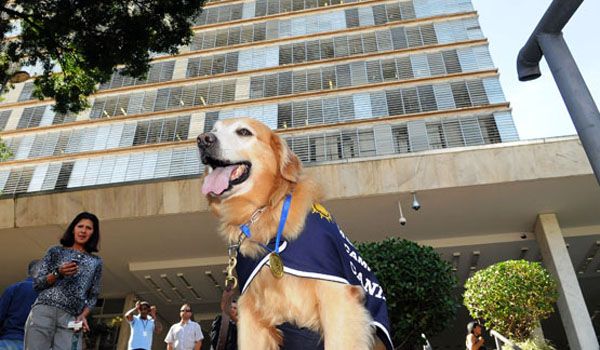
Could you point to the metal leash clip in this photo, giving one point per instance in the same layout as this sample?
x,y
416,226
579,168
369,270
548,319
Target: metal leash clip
x,y
232,250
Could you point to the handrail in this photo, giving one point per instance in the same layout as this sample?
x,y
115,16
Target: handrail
x,y
499,337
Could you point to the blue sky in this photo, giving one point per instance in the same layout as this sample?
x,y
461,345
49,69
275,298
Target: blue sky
x,y
538,109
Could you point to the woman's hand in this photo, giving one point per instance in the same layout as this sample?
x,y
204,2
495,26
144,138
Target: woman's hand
x,y
68,269
84,322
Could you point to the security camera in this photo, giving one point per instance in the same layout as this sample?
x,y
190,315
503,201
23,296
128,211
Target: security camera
x,y
402,221
415,204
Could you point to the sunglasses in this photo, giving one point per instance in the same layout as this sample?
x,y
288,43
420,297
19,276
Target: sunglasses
x,y
185,310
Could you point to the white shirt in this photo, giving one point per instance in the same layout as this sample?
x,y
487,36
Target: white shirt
x,y
184,336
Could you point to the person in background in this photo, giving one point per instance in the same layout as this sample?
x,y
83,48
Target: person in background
x,y
142,325
68,282
15,305
474,339
185,334
231,339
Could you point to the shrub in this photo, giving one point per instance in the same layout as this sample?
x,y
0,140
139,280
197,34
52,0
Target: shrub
x,y
418,286
512,297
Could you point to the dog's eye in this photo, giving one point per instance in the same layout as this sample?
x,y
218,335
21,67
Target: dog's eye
x,y
243,132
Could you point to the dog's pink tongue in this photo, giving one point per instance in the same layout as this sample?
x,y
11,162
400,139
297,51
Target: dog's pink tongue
x,y
218,180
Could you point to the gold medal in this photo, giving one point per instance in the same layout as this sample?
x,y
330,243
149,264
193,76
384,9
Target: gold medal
x,y
276,265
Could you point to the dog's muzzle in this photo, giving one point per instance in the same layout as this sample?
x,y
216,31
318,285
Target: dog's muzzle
x,y
207,144
206,141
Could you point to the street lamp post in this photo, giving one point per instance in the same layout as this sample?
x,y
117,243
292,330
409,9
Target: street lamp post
x,y
547,40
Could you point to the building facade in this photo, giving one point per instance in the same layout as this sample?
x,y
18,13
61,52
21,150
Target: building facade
x,y
375,87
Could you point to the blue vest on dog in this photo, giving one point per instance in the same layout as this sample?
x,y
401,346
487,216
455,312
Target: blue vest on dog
x,y
322,251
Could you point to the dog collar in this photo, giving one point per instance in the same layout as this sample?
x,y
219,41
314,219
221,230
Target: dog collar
x,y
245,228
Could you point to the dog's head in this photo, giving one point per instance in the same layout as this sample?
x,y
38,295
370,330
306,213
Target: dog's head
x,y
244,158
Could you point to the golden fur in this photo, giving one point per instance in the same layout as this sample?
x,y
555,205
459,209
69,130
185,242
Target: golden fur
x,y
335,310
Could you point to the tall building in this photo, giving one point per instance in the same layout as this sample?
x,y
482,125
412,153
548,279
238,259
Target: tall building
x,y
377,98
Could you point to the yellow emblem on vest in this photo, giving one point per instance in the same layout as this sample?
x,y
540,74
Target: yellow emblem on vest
x,y
319,209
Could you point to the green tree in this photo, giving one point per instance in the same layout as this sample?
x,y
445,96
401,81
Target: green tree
x,y
87,40
5,152
511,297
419,288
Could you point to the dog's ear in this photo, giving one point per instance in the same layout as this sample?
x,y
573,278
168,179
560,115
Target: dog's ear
x,y
289,164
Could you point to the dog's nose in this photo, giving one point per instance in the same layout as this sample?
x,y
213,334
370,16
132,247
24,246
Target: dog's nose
x,y
206,140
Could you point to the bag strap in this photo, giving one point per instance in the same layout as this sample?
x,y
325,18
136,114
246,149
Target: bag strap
x,y
225,309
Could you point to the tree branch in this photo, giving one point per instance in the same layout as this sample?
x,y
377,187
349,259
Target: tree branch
x,y
21,15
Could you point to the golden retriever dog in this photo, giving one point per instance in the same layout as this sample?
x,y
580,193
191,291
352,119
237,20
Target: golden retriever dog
x,y
249,173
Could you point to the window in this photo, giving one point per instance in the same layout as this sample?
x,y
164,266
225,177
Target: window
x,y
413,36
299,78
451,61
427,98
394,102
27,92
340,46
315,112
428,34
352,18
231,62
435,135
257,87
477,93
379,14
271,83
299,115
285,54
313,79
31,117
399,38
489,130
299,52
460,94
285,83
327,48
374,74
209,120
313,52
328,79
355,44
4,115
389,70
366,142
400,136
411,100
284,115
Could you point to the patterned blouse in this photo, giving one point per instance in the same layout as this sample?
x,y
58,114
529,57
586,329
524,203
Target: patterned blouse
x,y
69,293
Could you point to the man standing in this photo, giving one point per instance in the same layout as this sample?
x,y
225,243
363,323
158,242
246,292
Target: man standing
x,y
186,334
15,305
231,338
142,326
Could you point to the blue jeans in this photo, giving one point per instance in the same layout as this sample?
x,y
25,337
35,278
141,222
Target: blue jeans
x,y
9,344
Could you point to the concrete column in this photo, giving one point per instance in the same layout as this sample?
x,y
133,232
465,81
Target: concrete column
x,y
124,330
573,312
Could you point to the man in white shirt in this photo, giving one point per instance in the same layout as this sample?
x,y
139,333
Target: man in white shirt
x,y
186,334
